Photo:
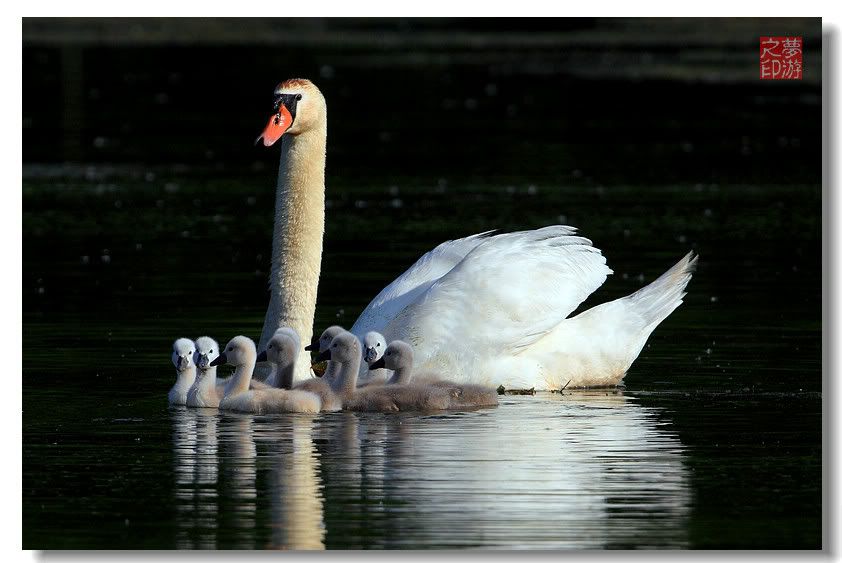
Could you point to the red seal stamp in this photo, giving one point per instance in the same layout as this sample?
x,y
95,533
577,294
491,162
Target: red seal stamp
x,y
781,58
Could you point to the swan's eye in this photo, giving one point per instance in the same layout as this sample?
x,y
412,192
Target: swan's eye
x,y
211,352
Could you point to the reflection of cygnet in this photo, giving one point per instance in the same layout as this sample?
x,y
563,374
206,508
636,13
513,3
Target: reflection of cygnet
x,y
374,345
282,350
398,356
322,344
241,353
185,370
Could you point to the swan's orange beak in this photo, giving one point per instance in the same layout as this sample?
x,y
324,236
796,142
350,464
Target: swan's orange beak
x,y
277,126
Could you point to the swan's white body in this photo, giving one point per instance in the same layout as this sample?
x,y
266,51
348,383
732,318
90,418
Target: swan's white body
x,y
499,314
283,350
331,373
345,350
399,357
484,309
185,371
242,354
205,392
374,345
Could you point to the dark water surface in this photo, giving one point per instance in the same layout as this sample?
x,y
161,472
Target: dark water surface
x,y
715,442
165,231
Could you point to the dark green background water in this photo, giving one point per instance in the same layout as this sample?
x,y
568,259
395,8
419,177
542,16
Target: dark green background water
x,y
148,215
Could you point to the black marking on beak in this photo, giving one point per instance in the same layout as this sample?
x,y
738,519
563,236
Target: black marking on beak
x,y
261,357
220,360
381,363
323,356
290,101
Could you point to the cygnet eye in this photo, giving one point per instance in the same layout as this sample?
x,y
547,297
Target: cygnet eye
x,y
211,352
378,345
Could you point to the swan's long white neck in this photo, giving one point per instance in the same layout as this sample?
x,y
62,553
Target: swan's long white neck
x,y
297,239
402,375
184,379
285,375
241,379
403,371
347,375
206,378
331,375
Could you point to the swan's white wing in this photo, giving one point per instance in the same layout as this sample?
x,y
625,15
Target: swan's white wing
x,y
504,295
416,280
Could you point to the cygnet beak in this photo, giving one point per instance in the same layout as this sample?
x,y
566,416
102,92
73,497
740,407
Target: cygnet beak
x,y
182,363
381,363
220,360
323,356
261,357
370,355
312,346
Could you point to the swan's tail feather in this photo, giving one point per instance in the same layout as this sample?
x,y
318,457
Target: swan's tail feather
x,y
661,297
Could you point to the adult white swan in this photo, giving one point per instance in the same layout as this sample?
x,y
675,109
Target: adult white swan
x,y
489,309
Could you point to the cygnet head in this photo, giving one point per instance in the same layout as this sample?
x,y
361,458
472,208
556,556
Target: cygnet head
x,y
374,344
207,350
291,333
182,354
343,348
239,351
325,339
398,355
282,348
298,107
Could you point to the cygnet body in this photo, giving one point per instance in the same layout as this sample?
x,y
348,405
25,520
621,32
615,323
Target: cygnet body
x,y
322,344
374,345
241,353
398,357
206,391
282,350
345,349
185,370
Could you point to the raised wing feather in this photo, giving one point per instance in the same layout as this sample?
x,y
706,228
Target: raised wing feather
x,y
407,287
506,293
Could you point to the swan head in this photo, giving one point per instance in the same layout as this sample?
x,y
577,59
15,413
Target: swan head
x,y
282,348
182,354
323,343
374,344
239,351
298,106
291,333
343,348
207,351
398,355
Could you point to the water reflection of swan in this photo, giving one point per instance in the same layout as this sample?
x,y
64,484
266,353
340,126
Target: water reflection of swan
x,y
239,471
294,486
598,471
195,467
